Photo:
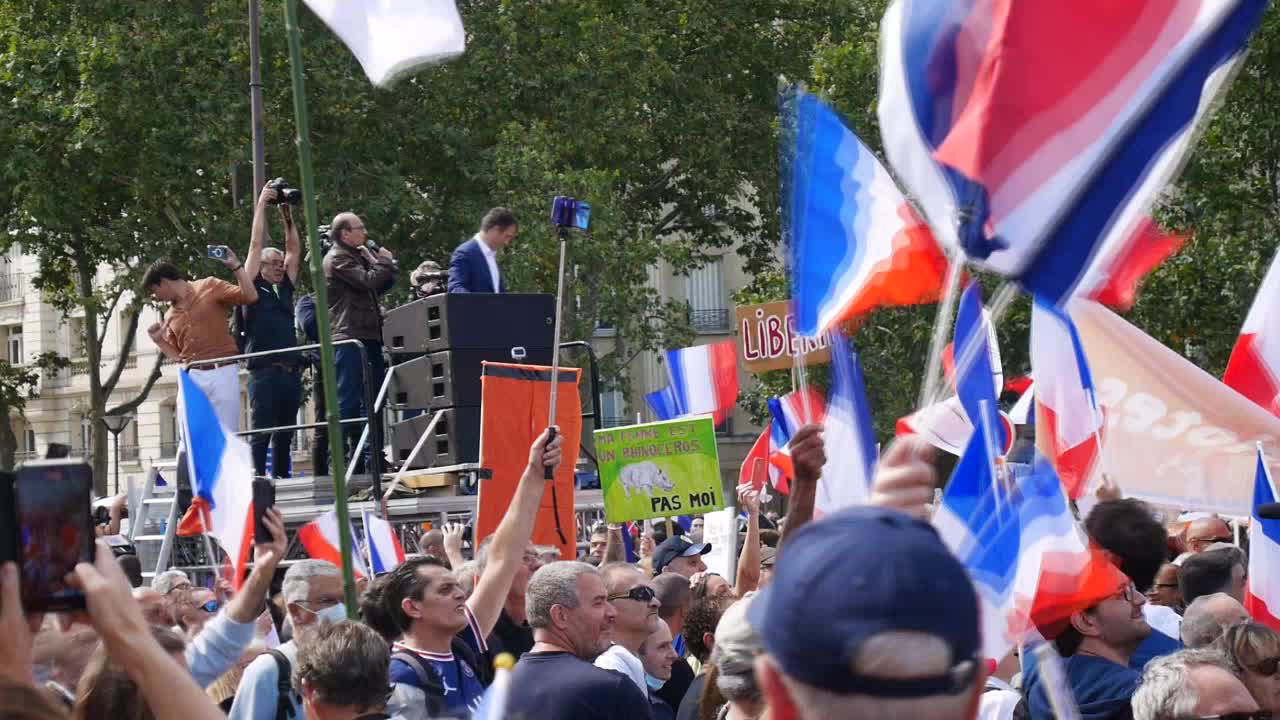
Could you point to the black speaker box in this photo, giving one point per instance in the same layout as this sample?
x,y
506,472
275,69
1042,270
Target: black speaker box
x,y
451,378
455,440
470,321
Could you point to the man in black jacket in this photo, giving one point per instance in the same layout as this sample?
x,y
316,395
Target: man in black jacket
x,y
355,276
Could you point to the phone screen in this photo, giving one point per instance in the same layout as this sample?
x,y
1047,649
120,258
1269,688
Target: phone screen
x,y
55,531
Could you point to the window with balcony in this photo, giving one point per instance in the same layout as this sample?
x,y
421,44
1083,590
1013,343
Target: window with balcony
x,y
14,344
708,301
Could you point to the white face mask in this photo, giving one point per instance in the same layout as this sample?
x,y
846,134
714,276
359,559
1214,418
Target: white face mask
x,y
653,682
333,614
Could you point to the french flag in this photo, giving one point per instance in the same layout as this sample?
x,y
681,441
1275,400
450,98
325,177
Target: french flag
x,y
847,435
1069,422
320,539
663,403
220,465
946,426
788,413
977,378
1029,164
856,243
1029,561
385,552
1262,595
704,379
1123,261
1254,367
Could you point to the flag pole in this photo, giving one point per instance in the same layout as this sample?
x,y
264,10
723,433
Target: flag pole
x,y
336,459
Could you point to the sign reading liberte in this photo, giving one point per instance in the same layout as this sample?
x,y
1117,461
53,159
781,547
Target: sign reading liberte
x,y
659,469
767,338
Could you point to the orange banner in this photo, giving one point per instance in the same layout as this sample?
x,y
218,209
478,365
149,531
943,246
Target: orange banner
x,y
1175,435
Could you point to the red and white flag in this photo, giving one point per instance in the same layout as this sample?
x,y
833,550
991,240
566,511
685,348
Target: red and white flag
x,y
1069,423
1125,258
1262,596
1254,367
320,538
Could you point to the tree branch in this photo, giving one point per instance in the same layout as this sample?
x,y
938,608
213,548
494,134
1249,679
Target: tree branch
x,y
111,309
664,222
138,399
125,347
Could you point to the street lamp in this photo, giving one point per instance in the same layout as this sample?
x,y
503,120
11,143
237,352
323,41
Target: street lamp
x,y
116,425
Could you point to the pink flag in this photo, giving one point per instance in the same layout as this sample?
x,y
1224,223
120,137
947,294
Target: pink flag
x,y
1254,367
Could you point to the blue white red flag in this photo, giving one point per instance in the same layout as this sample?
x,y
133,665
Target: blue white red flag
x,y
1029,560
320,539
855,242
789,414
1069,423
384,549
847,434
221,470
1254,367
663,403
1262,595
704,379
976,375
1030,163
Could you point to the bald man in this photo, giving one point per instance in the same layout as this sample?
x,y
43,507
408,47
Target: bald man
x,y
1202,533
355,276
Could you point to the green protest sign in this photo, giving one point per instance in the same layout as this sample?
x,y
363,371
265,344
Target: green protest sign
x,y
659,469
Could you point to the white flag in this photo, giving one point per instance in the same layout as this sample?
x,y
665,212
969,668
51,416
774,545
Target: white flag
x,y
390,37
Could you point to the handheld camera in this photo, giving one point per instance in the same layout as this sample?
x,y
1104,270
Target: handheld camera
x,y
217,252
46,527
284,193
567,212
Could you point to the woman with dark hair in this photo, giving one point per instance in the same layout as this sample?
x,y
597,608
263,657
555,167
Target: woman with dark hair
x,y
107,691
1254,653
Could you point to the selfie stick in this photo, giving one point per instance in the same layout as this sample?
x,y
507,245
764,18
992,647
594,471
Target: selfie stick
x,y
548,472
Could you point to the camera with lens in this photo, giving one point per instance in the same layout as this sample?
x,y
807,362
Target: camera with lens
x,y
284,193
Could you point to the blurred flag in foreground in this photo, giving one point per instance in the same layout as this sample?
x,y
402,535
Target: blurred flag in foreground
x,y
1254,367
392,38
788,414
1069,423
1262,595
855,242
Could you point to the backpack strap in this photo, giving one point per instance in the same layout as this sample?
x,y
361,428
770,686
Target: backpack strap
x,y
432,686
284,685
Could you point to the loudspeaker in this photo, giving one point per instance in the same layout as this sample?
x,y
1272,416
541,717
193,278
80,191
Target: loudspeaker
x,y
455,440
470,321
451,378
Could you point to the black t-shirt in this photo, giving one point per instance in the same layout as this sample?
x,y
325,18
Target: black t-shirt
x,y
508,637
688,709
673,690
560,686
269,323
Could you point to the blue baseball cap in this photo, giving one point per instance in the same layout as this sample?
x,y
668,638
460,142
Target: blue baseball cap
x,y
856,574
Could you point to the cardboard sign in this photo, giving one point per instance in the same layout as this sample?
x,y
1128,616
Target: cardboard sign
x,y
659,469
767,338
721,530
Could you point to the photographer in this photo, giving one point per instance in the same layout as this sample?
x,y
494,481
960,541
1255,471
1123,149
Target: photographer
x,y
195,327
355,276
275,381
428,279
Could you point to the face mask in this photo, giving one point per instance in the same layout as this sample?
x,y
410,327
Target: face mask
x,y
654,683
334,614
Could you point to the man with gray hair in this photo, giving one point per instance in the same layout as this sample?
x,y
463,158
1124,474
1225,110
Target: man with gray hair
x,y
1192,684
889,623
170,580
572,620
312,591
275,381
1208,617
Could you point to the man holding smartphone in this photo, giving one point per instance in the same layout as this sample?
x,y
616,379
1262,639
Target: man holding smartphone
x,y
275,381
195,327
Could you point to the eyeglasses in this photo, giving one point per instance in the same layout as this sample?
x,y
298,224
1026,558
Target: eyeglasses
x,y
1166,585
1255,715
639,593
1211,540
1267,666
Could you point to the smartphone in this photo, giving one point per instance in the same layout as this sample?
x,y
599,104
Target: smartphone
x,y
759,474
53,500
264,498
218,252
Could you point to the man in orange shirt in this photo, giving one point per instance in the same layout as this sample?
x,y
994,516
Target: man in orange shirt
x,y
195,328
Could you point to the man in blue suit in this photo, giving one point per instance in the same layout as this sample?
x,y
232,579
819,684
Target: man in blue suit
x,y
474,266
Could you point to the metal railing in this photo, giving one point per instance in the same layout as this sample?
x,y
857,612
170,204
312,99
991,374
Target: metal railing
x,y
709,320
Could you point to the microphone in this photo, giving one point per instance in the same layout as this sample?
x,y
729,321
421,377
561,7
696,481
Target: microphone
x,y
1269,511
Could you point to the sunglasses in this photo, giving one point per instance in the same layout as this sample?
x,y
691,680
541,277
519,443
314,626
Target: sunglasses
x,y
1255,715
210,607
1267,666
639,593
1212,540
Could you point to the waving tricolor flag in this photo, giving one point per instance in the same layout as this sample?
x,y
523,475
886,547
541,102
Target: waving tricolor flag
x,y
320,539
382,546
221,470
978,378
856,243
1254,367
704,380
1069,422
1125,259
1031,133
1029,560
1262,595
788,415
847,434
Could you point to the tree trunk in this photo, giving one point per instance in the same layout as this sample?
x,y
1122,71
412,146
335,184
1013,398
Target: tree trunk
x,y
97,449
8,441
